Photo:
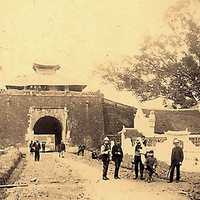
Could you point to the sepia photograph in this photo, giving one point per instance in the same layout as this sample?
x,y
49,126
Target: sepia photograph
x,y
100,100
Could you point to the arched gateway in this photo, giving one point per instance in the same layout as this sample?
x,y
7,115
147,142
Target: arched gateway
x,y
30,101
48,125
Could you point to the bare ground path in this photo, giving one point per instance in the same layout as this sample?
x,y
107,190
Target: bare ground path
x,y
76,178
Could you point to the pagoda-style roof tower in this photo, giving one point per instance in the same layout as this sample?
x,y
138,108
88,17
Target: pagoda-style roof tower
x,y
45,69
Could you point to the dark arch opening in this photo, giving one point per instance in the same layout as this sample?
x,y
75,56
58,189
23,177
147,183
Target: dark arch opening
x,y
49,125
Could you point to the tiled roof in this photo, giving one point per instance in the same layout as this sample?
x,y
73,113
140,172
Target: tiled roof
x,y
40,79
195,133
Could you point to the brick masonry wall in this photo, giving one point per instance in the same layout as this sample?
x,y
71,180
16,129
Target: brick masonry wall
x,y
116,115
91,117
85,115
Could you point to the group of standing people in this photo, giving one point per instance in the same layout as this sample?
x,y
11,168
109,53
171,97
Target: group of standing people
x,y
143,160
35,148
108,154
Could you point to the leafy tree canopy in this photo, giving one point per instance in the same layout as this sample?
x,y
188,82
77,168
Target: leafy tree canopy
x,y
168,65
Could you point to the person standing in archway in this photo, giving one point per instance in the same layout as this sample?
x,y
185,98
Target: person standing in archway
x,y
43,146
37,148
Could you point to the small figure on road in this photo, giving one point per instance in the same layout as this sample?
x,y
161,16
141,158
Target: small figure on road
x,y
37,148
117,156
31,147
81,149
150,165
177,157
61,149
105,156
94,155
139,157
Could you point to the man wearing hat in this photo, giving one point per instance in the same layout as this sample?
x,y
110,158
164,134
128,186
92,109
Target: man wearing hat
x,y
106,156
177,157
117,156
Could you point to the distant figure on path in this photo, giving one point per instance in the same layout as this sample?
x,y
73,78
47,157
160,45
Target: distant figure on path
x,y
81,149
177,157
139,157
117,156
94,155
31,147
61,149
43,146
37,148
105,156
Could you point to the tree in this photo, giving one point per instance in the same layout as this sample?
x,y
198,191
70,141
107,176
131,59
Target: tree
x,y
168,65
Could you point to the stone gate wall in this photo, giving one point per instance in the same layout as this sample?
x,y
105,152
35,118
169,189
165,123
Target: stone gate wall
x,y
116,115
85,116
90,116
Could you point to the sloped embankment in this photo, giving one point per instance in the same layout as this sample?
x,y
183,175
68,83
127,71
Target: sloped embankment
x,y
9,160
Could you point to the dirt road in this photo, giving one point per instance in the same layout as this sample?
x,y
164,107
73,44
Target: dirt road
x,y
75,178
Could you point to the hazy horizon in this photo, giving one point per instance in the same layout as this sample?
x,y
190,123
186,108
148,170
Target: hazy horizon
x,y
77,35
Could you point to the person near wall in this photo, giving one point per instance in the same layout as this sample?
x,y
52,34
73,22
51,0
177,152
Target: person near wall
x,y
105,156
37,148
139,157
144,140
94,155
177,157
81,149
117,156
150,165
61,149
31,147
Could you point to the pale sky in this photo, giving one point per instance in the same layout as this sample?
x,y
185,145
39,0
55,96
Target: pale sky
x,y
76,34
